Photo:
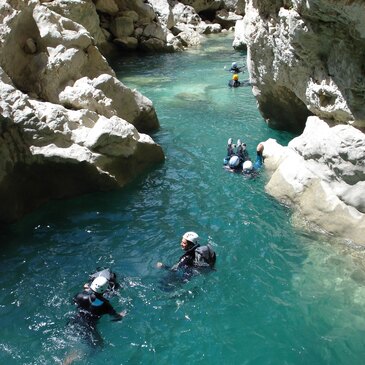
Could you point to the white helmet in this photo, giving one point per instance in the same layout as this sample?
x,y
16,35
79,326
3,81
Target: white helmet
x,y
247,165
99,285
234,161
191,237
234,64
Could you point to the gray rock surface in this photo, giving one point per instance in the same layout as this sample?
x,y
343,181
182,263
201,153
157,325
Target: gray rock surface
x,y
67,125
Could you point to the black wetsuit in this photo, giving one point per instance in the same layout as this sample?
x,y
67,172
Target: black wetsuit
x,y
234,83
235,69
93,306
187,259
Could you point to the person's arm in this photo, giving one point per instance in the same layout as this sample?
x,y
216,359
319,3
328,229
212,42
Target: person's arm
x,y
112,312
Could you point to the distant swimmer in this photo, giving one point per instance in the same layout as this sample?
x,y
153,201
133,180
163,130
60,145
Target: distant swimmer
x,y
252,169
235,69
234,159
234,82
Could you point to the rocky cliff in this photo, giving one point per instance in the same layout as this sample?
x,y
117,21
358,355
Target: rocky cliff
x,y
305,60
67,125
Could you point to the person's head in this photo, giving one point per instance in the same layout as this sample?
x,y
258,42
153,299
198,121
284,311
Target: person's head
x,y
233,162
189,239
235,77
99,285
234,64
247,166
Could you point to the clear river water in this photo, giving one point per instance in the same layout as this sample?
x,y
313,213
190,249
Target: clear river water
x,y
279,295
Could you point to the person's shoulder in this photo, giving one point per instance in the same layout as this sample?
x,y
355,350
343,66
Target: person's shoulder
x,y
81,297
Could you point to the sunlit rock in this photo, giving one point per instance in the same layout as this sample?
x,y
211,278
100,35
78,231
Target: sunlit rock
x,y
307,59
91,142
321,173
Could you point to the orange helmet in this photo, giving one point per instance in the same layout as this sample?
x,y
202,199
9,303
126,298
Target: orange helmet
x,y
235,77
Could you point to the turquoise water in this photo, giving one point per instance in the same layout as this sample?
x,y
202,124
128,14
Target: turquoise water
x,y
278,296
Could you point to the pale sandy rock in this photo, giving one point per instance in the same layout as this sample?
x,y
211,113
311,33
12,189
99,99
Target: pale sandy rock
x,y
203,5
239,41
227,19
122,26
130,14
163,9
30,46
55,29
185,14
187,35
106,6
82,12
46,150
208,28
152,45
154,30
129,43
108,96
322,174
143,9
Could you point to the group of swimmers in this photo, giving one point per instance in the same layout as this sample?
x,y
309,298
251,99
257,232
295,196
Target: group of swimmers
x,y
235,70
238,159
93,301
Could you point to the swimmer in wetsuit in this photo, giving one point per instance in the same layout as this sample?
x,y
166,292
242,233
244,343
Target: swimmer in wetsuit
x,y
91,305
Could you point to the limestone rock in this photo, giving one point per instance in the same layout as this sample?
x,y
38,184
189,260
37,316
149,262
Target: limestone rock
x,y
321,173
226,18
307,59
108,96
203,5
82,12
48,150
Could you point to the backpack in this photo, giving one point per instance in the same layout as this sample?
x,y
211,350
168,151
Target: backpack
x,y
204,256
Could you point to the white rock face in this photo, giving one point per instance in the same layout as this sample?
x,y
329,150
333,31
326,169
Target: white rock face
x,y
203,5
307,59
48,150
322,174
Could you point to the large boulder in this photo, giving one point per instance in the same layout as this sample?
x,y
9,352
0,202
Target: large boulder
x,y
322,175
93,141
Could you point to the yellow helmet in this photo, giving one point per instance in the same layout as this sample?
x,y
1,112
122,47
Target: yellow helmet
x,y
235,77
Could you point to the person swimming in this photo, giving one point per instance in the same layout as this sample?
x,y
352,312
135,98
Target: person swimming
x,y
235,69
234,82
91,306
195,259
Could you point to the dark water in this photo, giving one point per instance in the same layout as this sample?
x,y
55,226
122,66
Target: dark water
x,y
278,295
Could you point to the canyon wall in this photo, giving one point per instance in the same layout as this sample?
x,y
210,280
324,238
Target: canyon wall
x,y
305,60
67,125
